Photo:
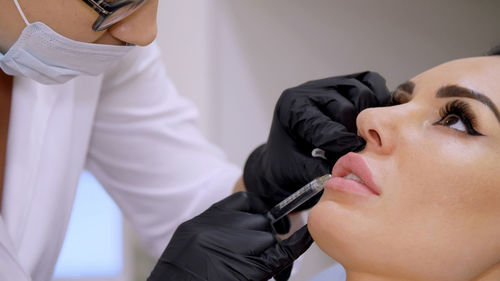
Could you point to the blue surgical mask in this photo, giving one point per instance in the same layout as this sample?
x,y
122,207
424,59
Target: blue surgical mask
x,y
45,56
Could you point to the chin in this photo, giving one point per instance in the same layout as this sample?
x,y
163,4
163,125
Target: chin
x,y
329,231
356,241
363,244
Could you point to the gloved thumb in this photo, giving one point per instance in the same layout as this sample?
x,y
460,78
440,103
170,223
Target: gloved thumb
x,y
284,275
297,244
283,254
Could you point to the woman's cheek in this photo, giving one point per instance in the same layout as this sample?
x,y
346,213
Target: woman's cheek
x,y
320,227
316,222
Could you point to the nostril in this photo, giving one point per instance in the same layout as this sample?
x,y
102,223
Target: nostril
x,y
375,136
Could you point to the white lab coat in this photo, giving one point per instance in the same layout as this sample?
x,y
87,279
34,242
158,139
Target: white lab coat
x,y
132,131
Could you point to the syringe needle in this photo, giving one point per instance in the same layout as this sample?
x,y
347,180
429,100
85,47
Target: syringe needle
x,y
298,198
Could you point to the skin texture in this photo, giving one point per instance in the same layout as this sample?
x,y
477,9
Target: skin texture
x,y
437,217
74,19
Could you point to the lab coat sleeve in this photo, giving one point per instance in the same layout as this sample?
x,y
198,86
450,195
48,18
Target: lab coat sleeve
x,y
148,153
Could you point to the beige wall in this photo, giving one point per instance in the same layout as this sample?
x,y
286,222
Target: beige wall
x,y
233,58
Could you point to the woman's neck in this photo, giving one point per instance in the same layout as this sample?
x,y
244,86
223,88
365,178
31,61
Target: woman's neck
x,y
363,276
491,274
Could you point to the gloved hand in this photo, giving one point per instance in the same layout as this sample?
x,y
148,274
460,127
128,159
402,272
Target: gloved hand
x,y
318,114
230,241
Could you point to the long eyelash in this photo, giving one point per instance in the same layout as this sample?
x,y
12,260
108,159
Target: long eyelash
x,y
464,112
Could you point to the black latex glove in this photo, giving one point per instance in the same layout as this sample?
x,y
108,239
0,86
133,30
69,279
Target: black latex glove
x,y
317,114
230,241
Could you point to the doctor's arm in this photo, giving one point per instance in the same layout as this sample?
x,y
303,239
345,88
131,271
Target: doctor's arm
x,y
148,153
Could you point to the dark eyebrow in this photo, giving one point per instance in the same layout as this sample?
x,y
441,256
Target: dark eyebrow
x,y
402,94
451,91
406,87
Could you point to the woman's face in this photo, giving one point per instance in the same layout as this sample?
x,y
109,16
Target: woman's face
x,y
74,19
435,161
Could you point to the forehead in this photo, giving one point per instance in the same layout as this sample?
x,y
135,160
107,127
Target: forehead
x,y
480,74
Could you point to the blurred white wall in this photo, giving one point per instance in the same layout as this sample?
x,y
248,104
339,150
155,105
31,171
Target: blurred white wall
x,y
234,58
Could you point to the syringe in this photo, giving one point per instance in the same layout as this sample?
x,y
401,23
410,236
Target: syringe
x,y
298,198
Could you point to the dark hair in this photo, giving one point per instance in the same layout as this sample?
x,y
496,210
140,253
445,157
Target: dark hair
x,y
495,51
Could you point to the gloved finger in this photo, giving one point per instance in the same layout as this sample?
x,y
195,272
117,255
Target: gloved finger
x,y
241,220
311,167
341,110
329,136
314,166
319,131
364,77
239,241
334,102
307,121
359,94
282,254
284,274
350,143
363,89
281,226
377,84
326,82
361,146
243,201
293,104
296,244
168,271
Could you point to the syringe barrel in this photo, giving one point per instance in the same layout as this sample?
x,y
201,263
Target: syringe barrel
x,y
298,198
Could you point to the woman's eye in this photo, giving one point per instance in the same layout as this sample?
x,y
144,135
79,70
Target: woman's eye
x,y
458,116
454,122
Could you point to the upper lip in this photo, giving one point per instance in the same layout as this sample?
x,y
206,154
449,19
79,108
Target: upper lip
x,y
355,164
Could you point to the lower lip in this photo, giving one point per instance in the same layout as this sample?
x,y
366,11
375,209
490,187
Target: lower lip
x,y
349,186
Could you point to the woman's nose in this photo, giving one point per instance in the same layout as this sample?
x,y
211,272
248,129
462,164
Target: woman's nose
x,y
378,127
139,28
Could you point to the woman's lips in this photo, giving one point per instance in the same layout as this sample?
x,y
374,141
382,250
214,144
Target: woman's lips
x,y
351,174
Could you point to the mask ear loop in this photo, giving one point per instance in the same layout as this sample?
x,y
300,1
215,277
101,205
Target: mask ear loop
x,y
21,12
